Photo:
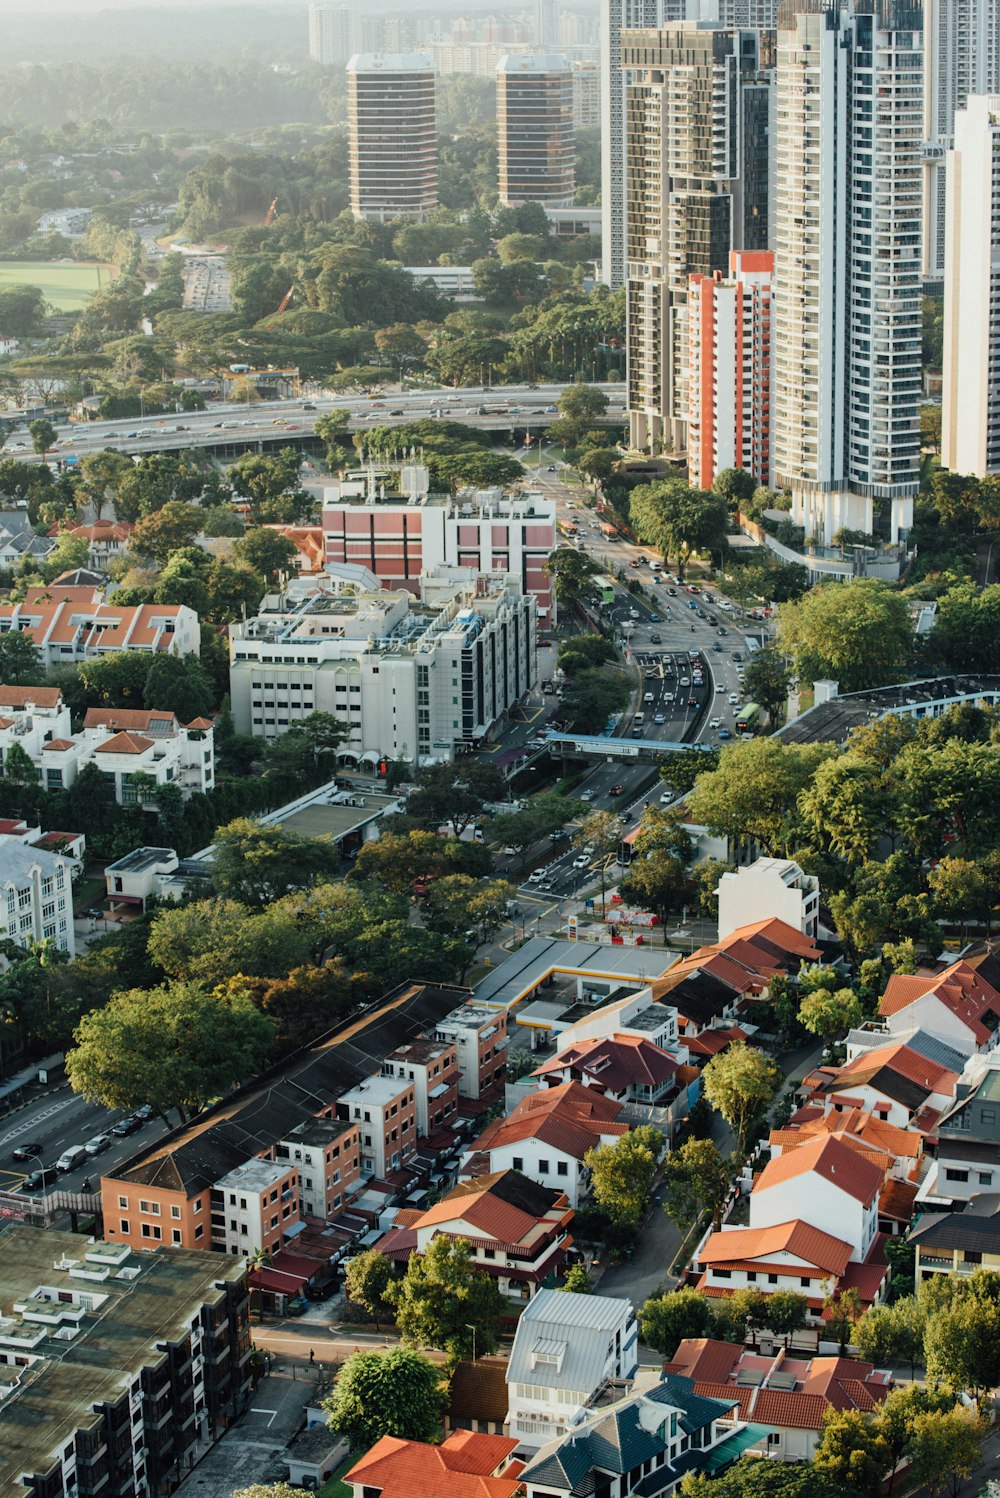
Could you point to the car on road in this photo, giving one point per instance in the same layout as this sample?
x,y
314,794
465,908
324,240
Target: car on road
x,y
659,720
716,645
586,795
737,657
633,613
685,681
536,876
98,1144
655,639
126,1126
551,468
715,723
581,862
616,790
720,686
28,1150
692,702
734,699
648,697
722,630
724,733
71,1158
655,619
146,1112
672,591
37,1180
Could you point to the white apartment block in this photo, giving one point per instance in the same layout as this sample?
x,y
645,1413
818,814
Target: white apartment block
x,y
400,539
392,135
730,369
76,624
384,1108
254,1208
696,187
769,888
961,58
586,96
415,679
36,895
970,418
847,280
332,36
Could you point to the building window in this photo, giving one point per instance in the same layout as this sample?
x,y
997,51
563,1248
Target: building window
x,y
175,1213
151,1230
123,1227
123,1201
152,1209
956,1175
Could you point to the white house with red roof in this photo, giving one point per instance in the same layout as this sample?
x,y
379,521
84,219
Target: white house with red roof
x,y
957,1005
790,1395
625,1068
897,1082
466,1465
813,1229
547,1138
75,624
106,539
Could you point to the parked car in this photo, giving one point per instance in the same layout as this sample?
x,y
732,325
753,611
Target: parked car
x,y
71,1158
145,1113
126,1126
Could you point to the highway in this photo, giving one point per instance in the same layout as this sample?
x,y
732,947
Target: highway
x,y
509,408
52,1121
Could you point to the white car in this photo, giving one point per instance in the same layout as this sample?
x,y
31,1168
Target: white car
x,y
648,697
734,699
586,795
70,1158
720,686
535,876
666,798
633,613
715,723
581,862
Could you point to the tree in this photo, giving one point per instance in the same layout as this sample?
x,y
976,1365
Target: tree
x,y
946,1448
396,860
582,652
894,1419
576,1280
178,684
755,790
961,891
752,1478
601,830
666,1320
582,404
174,1047
741,1083
457,793
679,520
101,476
458,905
166,530
621,1174
598,463
787,1312
594,696
851,1452
443,1295
366,1281
736,486
572,571
830,1015
695,1178
20,660
657,881
842,1312
543,816
890,1334
766,680
962,1345
254,864
395,1393
848,806
43,435
266,551
858,633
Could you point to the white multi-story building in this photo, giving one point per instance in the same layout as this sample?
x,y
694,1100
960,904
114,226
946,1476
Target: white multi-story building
x,y
769,887
36,895
961,58
331,34
970,418
392,135
536,146
254,1208
414,679
76,624
729,370
399,539
696,133
847,281
586,96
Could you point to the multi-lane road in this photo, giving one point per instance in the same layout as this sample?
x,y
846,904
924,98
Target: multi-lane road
x,y
56,1119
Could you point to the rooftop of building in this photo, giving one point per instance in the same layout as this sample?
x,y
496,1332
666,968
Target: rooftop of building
x,y
542,956
831,722
374,1091
463,1466
141,860
563,1343
254,1175
124,1306
317,1132
391,62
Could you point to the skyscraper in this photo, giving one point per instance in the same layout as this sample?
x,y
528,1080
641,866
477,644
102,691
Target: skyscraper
x,y
331,34
970,419
535,137
546,23
392,128
961,57
847,325
696,130
729,369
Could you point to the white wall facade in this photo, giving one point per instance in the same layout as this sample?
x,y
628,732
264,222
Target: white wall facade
x,y
771,887
830,1209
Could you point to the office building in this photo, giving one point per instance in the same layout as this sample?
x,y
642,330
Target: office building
x,y
397,540
121,1367
970,418
413,679
961,58
392,128
729,369
616,16
535,129
847,321
696,129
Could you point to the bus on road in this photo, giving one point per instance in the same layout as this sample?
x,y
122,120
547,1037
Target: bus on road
x,y
748,719
605,589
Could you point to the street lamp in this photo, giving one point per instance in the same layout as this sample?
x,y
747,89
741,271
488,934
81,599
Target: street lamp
x,y
470,1328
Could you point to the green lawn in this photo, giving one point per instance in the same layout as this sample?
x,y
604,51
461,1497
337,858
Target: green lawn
x,y
67,285
333,1487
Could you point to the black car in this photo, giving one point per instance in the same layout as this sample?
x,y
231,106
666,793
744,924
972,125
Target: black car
x,y
656,639
126,1126
27,1151
38,1180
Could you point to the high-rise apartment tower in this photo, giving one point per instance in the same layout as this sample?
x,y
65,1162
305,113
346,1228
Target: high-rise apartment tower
x,y
696,187
970,419
392,126
847,326
535,135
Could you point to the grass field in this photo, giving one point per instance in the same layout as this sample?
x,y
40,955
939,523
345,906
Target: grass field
x,y
67,286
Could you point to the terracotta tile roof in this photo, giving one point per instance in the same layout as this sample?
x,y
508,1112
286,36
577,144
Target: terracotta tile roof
x,y
832,1160
201,723
58,744
125,743
705,1360
711,1042
820,1383
867,1278
800,1239
505,1207
902,989
127,718
960,988
896,1200
19,697
614,1061
461,1467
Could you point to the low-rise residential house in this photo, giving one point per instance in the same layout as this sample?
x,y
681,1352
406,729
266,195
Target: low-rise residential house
x,y
965,1146
957,1242
479,1035
897,1082
960,1005
432,1068
897,1152
547,1138
518,1230
122,744
634,1015
70,629
36,895
465,1465
833,1187
567,1350
19,541
767,888
477,1397
384,1108
71,845
106,539
790,1395
254,1209
152,874
327,1152
625,1068
643,1444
